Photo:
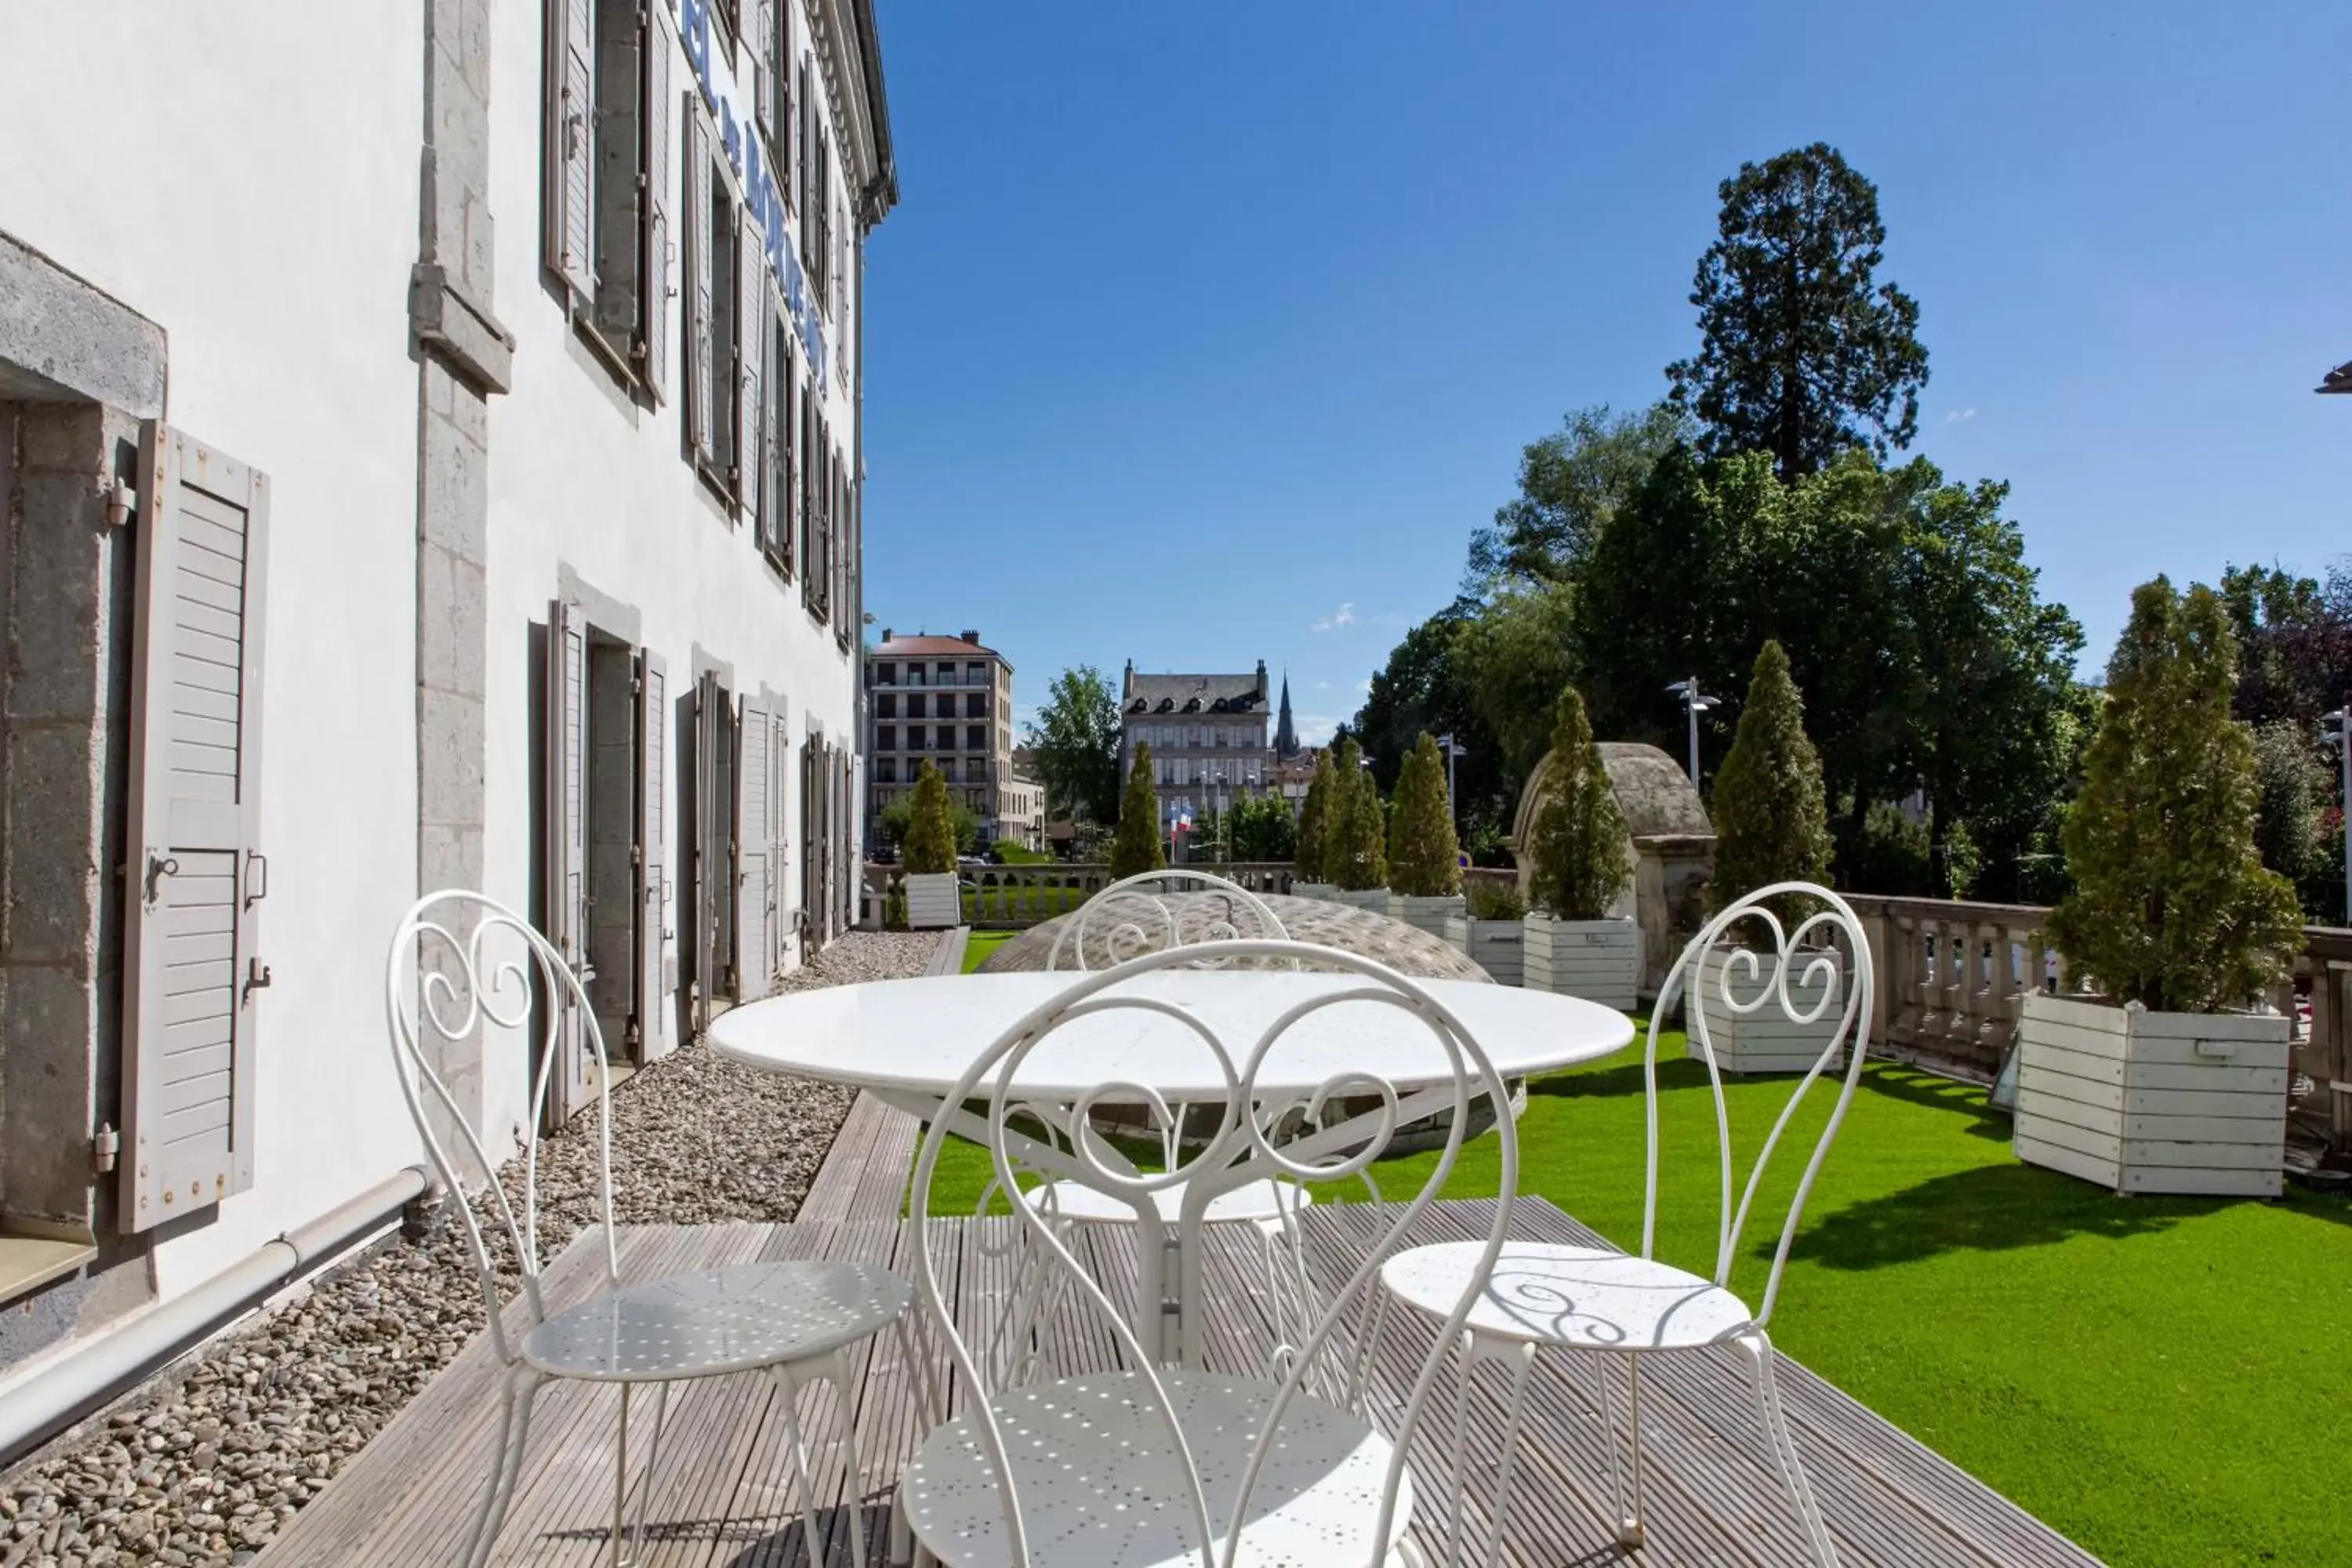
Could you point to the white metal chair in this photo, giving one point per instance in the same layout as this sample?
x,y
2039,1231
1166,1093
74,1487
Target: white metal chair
x,y
1619,1306
1159,1464
461,962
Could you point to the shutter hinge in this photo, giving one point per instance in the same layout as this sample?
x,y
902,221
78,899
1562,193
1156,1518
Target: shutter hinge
x,y
103,1147
121,500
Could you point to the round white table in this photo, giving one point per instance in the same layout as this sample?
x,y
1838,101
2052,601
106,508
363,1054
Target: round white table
x,y
910,1042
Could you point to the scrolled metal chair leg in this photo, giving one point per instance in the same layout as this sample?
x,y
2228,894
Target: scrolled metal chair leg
x,y
521,1393
1783,1445
1523,1362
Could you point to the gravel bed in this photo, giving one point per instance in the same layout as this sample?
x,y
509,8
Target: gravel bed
x,y
211,1461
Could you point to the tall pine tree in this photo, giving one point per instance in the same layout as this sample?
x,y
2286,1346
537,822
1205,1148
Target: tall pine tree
x,y
1136,848
930,831
1355,852
1313,812
1771,822
1580,846
1424,856
2172,906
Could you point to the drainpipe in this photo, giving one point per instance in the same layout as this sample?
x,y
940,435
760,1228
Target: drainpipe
x,y
50,1401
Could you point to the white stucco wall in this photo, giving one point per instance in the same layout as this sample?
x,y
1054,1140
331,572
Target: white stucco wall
x,y
250,184
582,477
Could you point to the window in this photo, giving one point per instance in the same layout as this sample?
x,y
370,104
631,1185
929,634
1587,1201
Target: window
x,y
886,738
975,738
947,672
975,706
727,309
886,674
975,675
915,705
773,509
914,737
606,188
886,770
887,706
776,86
947,737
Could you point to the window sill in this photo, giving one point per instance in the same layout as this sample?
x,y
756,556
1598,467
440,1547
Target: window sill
x,y
29,1262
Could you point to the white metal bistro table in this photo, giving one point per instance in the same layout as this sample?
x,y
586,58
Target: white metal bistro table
x,y
910,1042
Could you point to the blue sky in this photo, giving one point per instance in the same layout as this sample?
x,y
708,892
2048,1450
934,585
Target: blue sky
x,y
1207,334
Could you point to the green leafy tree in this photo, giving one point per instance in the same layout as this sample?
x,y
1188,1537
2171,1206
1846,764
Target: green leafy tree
x,y
1424,856
1074,746
1136,848
1578,845
894,819
1803,352
931,827
2294,642
1772,821
1355,852
1572,483
1261,829
2294,789
1436,679
2172,906
1313,811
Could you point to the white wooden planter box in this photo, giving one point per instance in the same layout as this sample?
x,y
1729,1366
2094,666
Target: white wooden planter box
x,y
1324,891
1600,961
1373,899
1428,913
2153,1102
1767,1039
934,901
1494,946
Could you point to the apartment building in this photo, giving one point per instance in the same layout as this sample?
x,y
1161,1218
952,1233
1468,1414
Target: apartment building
x,y
1207,735
947,701
434,455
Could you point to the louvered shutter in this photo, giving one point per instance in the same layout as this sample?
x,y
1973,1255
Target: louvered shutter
x,y
806,506
700,417
812,901
652,339
752,891
787,400
779,833
567,843
711,877
763,74
772,383
653,853
194,872
571,85
752,293
618,149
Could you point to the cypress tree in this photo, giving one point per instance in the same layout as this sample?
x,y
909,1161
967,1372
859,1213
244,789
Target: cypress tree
x,y
1136,848
2172,906
1771,818
1424,856
1340,808
1578,841
930,828
1355,849
1307,865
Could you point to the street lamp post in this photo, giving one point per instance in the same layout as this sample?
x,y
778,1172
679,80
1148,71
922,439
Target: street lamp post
x,y
1453,749
1694,705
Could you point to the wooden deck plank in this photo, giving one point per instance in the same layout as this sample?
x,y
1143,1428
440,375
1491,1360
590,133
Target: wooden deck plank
x,y
723,1504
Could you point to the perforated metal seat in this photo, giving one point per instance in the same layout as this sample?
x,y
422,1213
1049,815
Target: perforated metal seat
x,y
1101,1486
1575,1297
719,1320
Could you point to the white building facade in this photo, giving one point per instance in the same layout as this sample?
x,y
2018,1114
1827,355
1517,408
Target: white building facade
x,y
433,451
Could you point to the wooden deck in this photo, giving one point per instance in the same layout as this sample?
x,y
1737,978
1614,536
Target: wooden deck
x,y
407,1498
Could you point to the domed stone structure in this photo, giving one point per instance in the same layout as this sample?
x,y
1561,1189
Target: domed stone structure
x,y
1674,848
1406,949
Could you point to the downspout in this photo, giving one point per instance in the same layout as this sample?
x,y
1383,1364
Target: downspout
x,y
48,1401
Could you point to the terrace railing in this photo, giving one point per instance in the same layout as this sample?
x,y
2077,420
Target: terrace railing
x,y
1013,898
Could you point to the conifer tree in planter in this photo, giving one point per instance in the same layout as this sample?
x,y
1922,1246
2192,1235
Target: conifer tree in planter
x,y
1492,928
1582,863
2170,1078
1308,880
1424,856
934,896
1771,824
1136,848
1355,849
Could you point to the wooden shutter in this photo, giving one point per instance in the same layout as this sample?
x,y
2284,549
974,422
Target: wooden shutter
x,y
750,311
194,873
752,938
787,401
618,146
710,878
652,333
653,853
812,863
804,158
699,240
780,832
567,843
571,85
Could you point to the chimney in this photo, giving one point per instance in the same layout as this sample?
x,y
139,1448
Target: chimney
x,y
885,634
1261,681
972,637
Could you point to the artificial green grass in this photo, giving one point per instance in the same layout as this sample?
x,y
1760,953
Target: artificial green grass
x,y
2162,1379
979,946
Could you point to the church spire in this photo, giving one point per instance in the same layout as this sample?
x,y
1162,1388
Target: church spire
x,y
1285,737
